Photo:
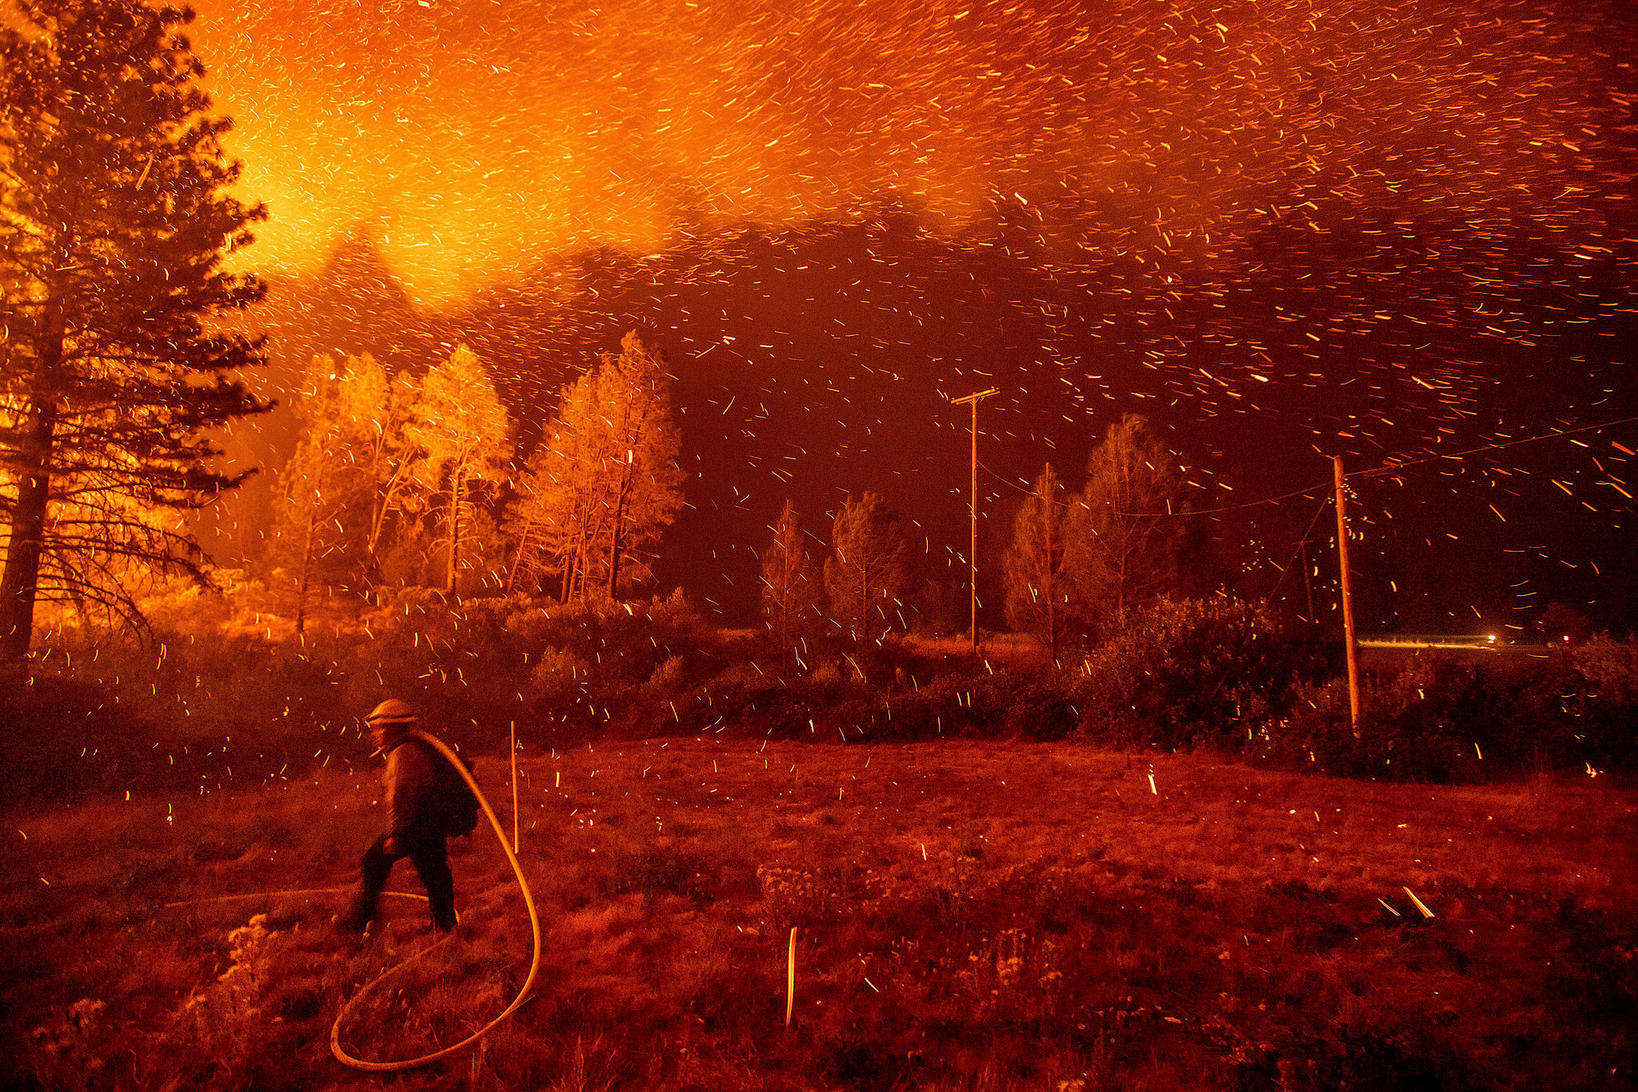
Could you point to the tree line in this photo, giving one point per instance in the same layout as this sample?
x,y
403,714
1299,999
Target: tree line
x,y
407,480
414,480
116,227
1074,563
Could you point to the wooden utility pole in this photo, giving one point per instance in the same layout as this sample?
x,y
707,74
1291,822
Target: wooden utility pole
x,y
1350,636
514,754
972,549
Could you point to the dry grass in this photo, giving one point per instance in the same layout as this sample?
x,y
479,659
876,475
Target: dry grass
x,y
968,916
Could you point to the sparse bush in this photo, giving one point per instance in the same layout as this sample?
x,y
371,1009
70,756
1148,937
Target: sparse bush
x,y
558,679
666,681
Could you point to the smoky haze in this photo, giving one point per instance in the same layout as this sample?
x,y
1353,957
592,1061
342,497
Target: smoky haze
x,y
1282,232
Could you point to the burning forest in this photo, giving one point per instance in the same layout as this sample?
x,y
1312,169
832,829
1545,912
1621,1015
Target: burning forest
x,y
881,545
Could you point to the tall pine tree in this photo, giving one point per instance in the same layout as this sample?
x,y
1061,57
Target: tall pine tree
x,y
114,223
869,573
462,436
1037,590
792,591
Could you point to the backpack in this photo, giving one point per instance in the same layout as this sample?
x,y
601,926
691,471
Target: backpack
x,y
452,798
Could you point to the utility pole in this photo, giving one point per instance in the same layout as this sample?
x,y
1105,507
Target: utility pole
x,y
972,550
1350,637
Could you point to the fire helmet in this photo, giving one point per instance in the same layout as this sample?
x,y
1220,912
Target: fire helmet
x,y
390,713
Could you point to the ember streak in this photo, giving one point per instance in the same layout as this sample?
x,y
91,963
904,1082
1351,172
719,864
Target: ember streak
x,y
1280,229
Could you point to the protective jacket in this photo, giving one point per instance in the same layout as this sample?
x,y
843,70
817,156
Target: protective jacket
x,y
411,782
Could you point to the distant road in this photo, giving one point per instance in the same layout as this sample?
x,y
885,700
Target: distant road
x,y
1478,645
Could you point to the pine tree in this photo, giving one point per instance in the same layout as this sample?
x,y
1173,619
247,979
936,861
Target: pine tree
x,y
1123,541
461,434
792,591
553,518
114,221
868,575
1037,589
604,483
389,455
645,482
329,491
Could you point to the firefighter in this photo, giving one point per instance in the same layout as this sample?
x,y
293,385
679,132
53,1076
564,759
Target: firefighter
x,y
416,825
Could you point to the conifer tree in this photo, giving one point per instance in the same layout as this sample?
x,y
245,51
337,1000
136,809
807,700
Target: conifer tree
x,y
329,491
1124,542
604,483
868,574
1037,589
389,455
553,521
792,591
461,434
645,482
114,223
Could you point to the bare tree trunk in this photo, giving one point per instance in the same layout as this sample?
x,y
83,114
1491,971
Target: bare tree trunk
x,y
517,562
306,570
19,583
617,537
1048,582
457,482
863,635
378,522
785,612
574,571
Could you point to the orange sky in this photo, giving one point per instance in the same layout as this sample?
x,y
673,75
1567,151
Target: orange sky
x,y
477,134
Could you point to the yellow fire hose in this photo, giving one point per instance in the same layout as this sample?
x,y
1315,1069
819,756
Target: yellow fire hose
x,y
528,901
523,991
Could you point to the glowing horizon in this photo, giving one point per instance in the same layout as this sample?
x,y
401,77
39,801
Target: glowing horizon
x,y
476,134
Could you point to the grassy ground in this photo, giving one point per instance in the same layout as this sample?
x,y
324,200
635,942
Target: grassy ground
x,y
966,915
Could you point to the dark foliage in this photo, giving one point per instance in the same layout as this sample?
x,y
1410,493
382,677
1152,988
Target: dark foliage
x,y
1192,673
1443,719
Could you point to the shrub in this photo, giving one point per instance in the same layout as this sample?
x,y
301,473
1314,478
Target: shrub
x,y
1607,699
1610,669
454,660
747,700
1015,704
1403,736
557,679
1190,673
1442,719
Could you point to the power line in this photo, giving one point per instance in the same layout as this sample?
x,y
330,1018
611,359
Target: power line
x,y
1386,470
1301,542
1190,512
1390,468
